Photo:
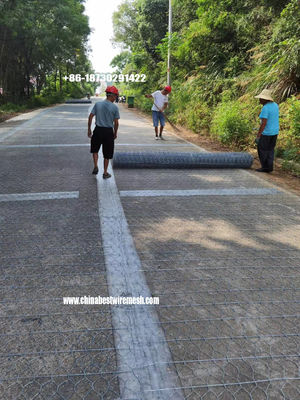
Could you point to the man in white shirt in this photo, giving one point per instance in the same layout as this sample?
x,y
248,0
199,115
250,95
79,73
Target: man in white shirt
x,y
160,103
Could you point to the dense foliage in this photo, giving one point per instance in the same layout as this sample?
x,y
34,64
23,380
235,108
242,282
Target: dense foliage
x,y
41,41
223,53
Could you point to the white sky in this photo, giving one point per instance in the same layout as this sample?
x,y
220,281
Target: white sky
x,y
100,20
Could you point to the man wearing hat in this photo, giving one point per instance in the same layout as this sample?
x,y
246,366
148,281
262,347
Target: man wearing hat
x,y
105,132
268,131
160,103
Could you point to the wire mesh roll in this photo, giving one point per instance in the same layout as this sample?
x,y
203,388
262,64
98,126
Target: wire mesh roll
x,y
181,160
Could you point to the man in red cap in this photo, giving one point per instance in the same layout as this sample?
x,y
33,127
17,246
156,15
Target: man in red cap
x,y
105,132
160,103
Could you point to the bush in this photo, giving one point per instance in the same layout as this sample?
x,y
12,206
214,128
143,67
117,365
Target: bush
x,y
34,102
288,146
75,92
38,101
198,117
45,100
292,167
143,103
230,125
294,114
59,97
11,108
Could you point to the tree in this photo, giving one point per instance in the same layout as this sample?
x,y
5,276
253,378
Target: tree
x,y
39,38
140,25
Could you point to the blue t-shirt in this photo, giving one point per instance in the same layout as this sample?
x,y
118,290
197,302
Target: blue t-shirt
x,y
270,111
106,112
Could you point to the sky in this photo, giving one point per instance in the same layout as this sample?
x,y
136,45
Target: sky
x,y
100,20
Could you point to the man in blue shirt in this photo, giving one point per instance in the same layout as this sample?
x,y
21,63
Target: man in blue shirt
x,y
107,124
268,131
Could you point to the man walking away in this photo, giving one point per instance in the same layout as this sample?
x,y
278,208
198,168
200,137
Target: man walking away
x,y
268,131
160,103
106,129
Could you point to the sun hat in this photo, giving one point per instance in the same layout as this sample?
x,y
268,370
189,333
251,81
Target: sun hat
x,y
265,94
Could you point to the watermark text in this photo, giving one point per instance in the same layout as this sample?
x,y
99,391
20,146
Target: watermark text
x,y
118,300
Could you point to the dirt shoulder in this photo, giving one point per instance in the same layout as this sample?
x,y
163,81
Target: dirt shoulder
x,y
278,177
8,115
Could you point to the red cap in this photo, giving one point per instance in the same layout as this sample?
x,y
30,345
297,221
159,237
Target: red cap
x,y
112,89
168,89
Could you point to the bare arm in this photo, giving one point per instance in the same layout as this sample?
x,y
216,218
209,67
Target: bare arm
x,y
116,127
164,107
262,127
148,96
91,116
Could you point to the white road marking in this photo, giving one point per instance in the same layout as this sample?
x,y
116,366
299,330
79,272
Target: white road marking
x,y
143,357
163,144
201,192
32,146
38,196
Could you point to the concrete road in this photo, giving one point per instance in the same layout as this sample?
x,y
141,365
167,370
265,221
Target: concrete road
x,y
224,266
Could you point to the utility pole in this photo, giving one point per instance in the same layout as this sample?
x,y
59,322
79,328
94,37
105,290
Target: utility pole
x,y
169,43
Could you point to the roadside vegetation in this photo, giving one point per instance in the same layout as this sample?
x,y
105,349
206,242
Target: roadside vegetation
x,y
223,54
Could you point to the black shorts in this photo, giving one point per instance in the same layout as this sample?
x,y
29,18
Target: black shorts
x,y
105,137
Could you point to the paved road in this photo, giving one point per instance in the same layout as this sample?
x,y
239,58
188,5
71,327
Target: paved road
x,y
225,267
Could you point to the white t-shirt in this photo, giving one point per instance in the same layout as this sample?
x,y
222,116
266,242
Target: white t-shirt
x,y
159,99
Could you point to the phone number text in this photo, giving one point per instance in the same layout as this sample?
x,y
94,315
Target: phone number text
x,y
106,78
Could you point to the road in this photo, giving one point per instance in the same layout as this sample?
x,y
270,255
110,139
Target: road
x,y
225,267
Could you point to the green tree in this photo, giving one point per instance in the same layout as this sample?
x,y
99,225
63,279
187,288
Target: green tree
x,y
140,25
121,60
39,38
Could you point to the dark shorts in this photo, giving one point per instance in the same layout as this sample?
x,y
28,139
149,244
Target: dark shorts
x,y
105,137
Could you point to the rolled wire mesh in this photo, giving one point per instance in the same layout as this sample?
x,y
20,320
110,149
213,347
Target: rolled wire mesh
x,y
181,160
